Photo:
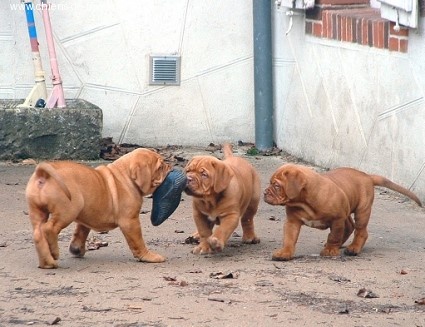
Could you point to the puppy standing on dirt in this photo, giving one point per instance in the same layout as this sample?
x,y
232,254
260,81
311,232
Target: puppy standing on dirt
x,y
326,201
102,199
224,192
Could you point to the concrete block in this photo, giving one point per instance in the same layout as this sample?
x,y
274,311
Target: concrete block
x,y
72,133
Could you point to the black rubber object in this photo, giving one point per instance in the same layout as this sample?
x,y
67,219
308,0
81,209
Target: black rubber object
x,y
167,196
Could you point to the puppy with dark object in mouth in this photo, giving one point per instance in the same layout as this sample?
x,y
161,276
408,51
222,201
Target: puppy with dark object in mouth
x,y
224,192
326,201
102,198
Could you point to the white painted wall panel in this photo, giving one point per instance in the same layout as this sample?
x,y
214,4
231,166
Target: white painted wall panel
x,y
103,50
119,104
172,115
217,34
360,107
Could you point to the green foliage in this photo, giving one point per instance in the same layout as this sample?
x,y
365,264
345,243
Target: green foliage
x,y
253,151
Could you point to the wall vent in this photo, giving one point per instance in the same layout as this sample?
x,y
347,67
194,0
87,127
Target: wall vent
x,y
164,70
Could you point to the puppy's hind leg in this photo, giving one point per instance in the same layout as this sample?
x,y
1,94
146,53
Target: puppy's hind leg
x,y
78,243
361,218
52,228
38,219
348,229
247,222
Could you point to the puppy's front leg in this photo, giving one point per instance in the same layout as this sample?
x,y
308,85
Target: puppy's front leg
x,y
222,233
132,231
291,231
335,239
78,243
204,227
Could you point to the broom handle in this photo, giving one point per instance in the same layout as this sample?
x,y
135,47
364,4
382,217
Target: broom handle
x,y
57,96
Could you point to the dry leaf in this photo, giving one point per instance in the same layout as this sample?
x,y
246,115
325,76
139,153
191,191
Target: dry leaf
x,y
420,301
56,321
220,275
29,162
368,294
170,279
94,244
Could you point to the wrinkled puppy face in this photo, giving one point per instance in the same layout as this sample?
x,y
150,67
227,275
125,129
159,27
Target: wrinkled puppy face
x,y
206,176
148,170
286,184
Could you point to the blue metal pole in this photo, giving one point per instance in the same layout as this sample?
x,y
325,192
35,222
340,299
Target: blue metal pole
x,y
263,81
31,26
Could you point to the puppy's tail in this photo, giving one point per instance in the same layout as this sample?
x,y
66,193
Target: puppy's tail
x,y
227,150
44,171
382,181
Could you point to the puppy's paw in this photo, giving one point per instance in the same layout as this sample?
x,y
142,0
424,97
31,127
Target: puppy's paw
x,y
215,244
152,257
202,248
54,251
250,240
351,251
282,255
330,252
196,236
77,251
48,264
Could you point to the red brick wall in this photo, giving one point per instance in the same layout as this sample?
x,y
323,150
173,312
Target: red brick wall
x,y
361,25
341,2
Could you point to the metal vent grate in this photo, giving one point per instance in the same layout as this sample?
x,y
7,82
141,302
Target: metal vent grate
x,y
164,70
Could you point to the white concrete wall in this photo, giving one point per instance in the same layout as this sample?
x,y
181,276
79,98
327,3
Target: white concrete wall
x,y
340,104
103,50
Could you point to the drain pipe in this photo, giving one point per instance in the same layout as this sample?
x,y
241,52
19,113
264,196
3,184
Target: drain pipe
x,y
263,81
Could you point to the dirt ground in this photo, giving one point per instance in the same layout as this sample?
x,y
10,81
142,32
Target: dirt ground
x,y
241,286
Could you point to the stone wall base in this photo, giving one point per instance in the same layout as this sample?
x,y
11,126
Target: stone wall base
x,y
72,133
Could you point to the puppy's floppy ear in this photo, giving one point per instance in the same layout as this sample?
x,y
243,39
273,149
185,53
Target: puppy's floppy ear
x,y
141,174
222,176
149,175
295,182
188,165
160,172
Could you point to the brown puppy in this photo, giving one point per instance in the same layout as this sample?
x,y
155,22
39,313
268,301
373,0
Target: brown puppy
x,y
326,201
224,192
102,199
